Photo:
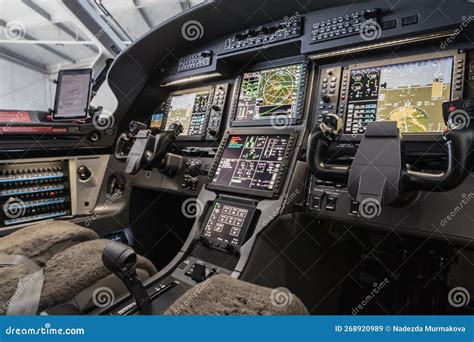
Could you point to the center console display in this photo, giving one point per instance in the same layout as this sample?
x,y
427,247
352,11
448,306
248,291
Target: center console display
x,y
410,93
253,164
199,110
228,223
270,95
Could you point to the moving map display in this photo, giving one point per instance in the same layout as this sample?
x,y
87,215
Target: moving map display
x,y
409,93
190,110
251,161
270,93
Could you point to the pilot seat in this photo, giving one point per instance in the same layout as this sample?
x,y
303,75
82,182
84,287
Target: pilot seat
x,y
56,262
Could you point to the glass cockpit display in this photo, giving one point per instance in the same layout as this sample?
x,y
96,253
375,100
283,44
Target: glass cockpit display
x,y
251,161
410,93
228,222
190,110
270,93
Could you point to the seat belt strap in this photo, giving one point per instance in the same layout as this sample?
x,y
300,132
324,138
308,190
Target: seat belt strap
x,y
26,299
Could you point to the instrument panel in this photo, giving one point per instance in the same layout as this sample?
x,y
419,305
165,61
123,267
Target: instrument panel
x,y
409,90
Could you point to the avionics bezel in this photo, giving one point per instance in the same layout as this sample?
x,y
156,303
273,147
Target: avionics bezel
x,y
275,192
455,94
211,89
262,67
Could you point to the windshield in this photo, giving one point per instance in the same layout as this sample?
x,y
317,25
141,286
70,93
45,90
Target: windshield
x,y
40,37
131,19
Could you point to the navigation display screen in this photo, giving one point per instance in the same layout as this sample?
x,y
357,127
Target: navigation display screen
x,y
228,222
269,93
410,93
190,110
251,161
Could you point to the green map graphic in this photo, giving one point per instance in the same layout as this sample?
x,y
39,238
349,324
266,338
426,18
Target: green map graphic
x,y
280,87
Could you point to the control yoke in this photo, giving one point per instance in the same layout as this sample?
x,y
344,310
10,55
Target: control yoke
x,y
379,170
143,148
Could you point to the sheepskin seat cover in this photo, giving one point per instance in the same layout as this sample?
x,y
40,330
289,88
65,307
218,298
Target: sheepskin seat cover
x,y
223,295
41,241
67,273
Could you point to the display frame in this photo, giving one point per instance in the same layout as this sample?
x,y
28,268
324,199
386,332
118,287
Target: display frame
x,y
301,94
459,59
166,110
61,73
231,202
275,192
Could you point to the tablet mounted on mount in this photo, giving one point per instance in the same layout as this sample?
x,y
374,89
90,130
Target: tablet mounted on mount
x,y
379,170
73,95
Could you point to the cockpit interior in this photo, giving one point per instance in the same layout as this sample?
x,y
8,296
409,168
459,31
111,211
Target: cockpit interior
x,y
237,158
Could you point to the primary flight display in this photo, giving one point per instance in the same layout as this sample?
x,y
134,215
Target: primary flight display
x,y
409,93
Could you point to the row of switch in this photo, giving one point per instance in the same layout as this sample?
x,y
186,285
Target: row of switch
x,y
323,200
31,170
198,60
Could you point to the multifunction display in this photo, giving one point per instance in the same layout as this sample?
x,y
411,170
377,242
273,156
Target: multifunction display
x,y
190,110
199,110
252,161
410,93
228,223
270,94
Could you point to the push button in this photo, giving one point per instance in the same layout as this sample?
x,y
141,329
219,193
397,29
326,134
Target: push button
x,y
354,208
331,203
317,199
411,20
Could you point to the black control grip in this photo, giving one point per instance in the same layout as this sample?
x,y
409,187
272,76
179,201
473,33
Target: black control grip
x,y
459,148
318,144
